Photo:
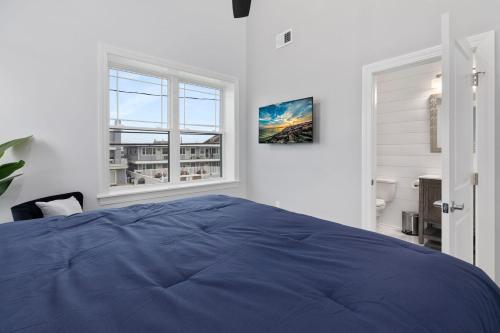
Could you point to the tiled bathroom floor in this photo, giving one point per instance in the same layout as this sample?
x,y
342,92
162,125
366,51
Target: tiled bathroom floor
x,y
395,232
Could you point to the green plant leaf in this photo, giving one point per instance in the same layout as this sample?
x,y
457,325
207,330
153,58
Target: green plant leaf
x,y
5,183
8,169
10,144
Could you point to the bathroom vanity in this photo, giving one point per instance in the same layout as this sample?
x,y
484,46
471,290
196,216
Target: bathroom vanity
x,y
429,231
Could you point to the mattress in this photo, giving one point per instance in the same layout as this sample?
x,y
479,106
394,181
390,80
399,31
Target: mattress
x,y
223,264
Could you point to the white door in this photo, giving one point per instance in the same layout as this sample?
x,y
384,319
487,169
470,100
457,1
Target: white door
x,y
457,143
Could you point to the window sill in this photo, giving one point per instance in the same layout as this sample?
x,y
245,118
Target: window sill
x,y
130,195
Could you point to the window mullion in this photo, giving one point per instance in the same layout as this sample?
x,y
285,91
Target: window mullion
x,y
175,164
161,103
117,121
223,147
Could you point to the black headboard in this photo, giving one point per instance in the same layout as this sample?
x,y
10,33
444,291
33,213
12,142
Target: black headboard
x,y
29,210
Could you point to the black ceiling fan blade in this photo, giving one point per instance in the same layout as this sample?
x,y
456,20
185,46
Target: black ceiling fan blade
x,y
241,8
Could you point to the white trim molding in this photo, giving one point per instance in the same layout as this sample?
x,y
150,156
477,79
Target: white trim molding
x,y
486,215
121,196
369,122
485,195
112,56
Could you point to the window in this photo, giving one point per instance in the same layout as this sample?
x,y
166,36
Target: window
x,y
138,106
148,151
199,124
199,108
135,161
199,165
154,139
137,100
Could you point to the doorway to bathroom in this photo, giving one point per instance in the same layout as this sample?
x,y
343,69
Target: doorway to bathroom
x,y
408,152
464,134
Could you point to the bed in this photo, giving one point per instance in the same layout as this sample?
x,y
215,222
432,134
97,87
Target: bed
x,y
223,264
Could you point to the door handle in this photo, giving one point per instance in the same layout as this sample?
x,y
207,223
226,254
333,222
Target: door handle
x,y
438,204
455,207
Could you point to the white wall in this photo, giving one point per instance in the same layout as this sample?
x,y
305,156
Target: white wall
x,y
48,77
333,40
403,135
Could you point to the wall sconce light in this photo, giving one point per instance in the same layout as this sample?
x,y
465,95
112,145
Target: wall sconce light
x,y
437,83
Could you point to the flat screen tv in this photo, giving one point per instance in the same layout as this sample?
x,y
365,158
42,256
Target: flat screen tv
x,y
287,122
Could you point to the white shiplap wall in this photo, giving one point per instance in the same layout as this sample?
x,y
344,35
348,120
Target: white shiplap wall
x,y
403,136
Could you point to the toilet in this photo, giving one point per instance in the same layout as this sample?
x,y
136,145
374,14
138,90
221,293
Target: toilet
x,y
386,191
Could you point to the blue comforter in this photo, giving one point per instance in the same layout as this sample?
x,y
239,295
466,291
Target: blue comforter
x,y
220,264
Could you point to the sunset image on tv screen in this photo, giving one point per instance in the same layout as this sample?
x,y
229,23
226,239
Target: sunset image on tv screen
x,y
288,122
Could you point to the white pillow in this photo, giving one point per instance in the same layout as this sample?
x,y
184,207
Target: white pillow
x,y
64,207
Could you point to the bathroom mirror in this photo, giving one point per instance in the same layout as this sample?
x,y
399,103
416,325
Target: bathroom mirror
x,y
434,110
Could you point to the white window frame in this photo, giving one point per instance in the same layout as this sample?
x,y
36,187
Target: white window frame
x,y
110,56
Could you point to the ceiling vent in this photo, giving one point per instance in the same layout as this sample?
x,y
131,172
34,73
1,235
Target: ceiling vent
x,y
284,39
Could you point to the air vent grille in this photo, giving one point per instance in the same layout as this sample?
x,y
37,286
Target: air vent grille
x,y
288,37
284,38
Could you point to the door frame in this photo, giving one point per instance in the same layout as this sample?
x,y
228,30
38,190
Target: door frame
x,y
485,203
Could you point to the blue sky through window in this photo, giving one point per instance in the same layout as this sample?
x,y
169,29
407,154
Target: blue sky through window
x,y
137,100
